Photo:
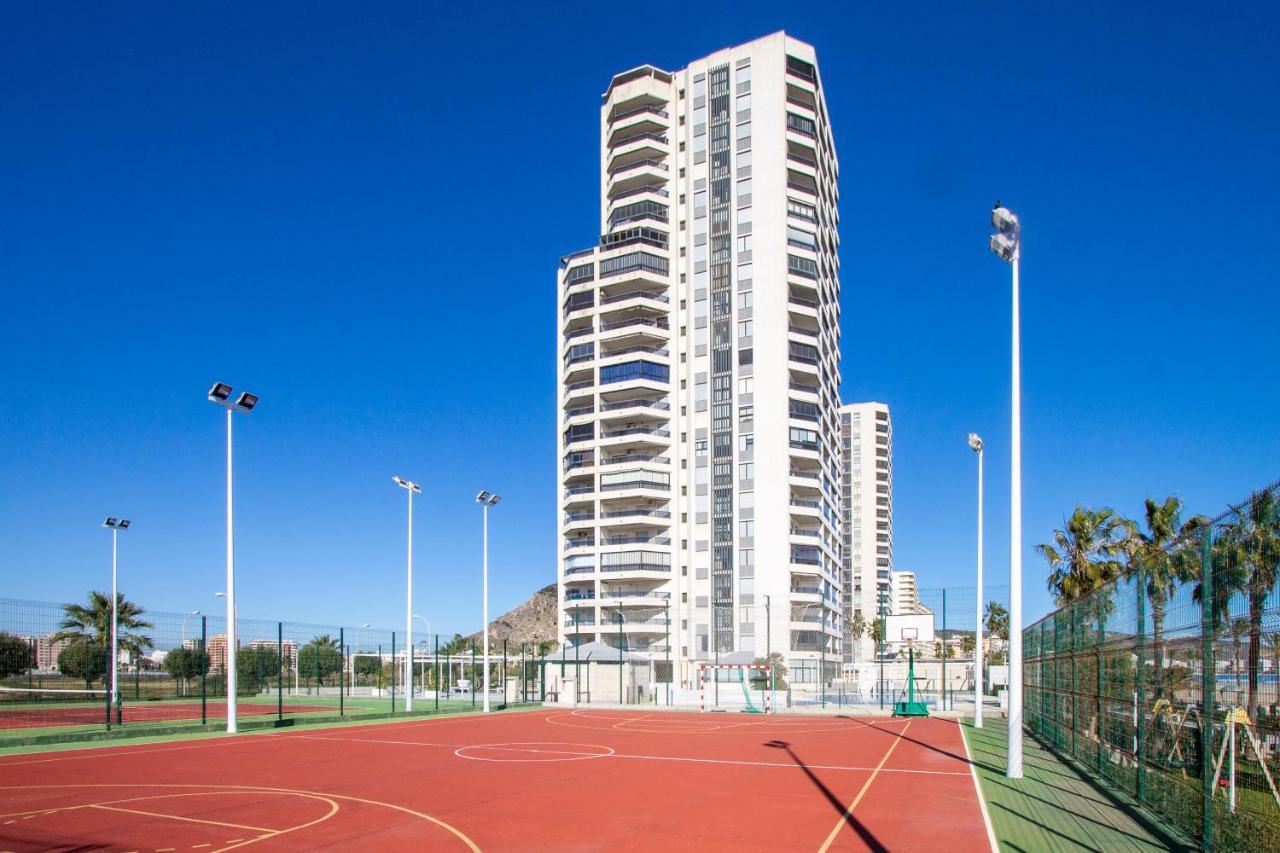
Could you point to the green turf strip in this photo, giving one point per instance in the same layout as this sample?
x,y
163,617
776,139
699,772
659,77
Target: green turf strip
x,y
1052,807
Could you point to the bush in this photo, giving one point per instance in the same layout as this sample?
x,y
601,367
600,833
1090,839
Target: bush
x,y
84,660
16,655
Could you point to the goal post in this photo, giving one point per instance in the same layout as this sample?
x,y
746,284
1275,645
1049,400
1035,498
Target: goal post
x,y
747,688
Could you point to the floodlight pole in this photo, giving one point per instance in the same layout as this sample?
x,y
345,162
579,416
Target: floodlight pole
x,y
408,622
115,626
230,663
484,591
1014,769
977,649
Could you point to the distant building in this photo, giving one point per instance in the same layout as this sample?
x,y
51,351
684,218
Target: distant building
x,y
47,651
866,441
904,595
218,653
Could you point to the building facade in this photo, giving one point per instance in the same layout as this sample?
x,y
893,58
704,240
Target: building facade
x,y
866,441
904,593
699,369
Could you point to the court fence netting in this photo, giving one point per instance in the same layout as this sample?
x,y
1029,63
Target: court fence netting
x,y
1163,683
55,673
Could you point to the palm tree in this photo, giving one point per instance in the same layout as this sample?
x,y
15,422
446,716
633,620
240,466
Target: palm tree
x,y
1083,554
857,628
92,624
1238,629
1260,546
1157,550
968,644
997,620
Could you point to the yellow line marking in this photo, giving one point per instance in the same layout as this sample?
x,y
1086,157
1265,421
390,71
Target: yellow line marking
x,y
198,846
165,849
333,810
254,789
178,817
844,818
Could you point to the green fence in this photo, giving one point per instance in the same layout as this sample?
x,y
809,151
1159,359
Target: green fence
x,y
1163,684
55,674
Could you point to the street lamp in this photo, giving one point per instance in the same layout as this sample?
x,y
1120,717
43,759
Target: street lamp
x,y
220,394
412,489
115,525
975,444
1006,244
486,500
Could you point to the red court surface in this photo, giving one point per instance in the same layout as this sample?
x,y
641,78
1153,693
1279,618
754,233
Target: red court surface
x,y
534,780
142,712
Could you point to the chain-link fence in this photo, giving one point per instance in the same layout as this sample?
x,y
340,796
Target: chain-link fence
x,y
57,679
1163,683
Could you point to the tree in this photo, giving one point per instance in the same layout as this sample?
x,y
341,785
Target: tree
x,y
779,666
84,660
1238,629
92,624
857,628
1259,536
254,667
186,664
367,665
996,620
16,655
968,644
1159,551
319,658
1083,554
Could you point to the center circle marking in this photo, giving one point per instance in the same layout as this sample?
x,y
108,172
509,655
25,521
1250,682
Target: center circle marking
x,y
531,752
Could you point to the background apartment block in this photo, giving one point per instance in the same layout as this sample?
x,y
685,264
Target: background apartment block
x,y
699,371
866,440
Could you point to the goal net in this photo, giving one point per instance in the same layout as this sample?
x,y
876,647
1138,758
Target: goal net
x,y
746,688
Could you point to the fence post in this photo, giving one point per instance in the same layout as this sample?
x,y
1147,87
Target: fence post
x,y
342,671
1057,688
942,696
473,674
393,671
671,671
279,670
1140,711
204,666
1207,685
1102,629
437,643
503,677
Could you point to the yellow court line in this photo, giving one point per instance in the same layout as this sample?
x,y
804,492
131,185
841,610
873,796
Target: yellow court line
x,y
180,817
333,810
256,789
844,818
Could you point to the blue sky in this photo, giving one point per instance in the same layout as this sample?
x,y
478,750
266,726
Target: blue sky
x,y
290,199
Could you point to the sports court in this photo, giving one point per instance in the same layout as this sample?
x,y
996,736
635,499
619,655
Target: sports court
x,y
528,780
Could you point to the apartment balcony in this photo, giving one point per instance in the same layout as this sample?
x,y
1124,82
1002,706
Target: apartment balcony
x,y
576,331
635,539
637,569
579,414
571,595
806,593
802,332
614,349
579,570
652,189
639,327
655,144
634,519
635,173
802,306
636,296
636,458
579,519
805,185
615,408
635,597
579,543
646,118
632,440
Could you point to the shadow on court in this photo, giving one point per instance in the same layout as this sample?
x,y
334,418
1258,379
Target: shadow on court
x,y
845,815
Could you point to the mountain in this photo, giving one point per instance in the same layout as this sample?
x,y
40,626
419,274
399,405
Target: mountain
x,y
531,622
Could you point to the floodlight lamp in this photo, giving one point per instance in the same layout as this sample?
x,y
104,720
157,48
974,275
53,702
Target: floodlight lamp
x,y
975,442
482,496
110,522
493,501
220,392
1003,246
1004,220
246,401
124,523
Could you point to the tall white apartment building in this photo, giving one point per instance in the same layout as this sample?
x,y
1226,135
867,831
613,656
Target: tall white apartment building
x,y
866,441
904,594
699,369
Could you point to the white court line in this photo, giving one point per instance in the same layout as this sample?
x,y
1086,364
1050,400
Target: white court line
x,y
977,787
727,761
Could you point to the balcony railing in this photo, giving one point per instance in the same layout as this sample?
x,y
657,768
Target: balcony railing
x,y
580,570
635,539
636,457
636,321
579,543
660,432
584,515
655,164
801,330
656,189
636,294
639,403
577,386
635,484
605,595
647,108
660,138
584,462
800,300
654,350
800,502
578,490
577,333
636,567
808,475
579,410
634,513
808,389
583,595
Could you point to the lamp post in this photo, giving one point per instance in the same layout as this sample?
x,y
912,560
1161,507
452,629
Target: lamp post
x,y
975,444
115,525
486,500
1006,244
412,489
220,394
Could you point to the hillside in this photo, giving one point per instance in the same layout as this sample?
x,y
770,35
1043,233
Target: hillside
x,y
531,622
